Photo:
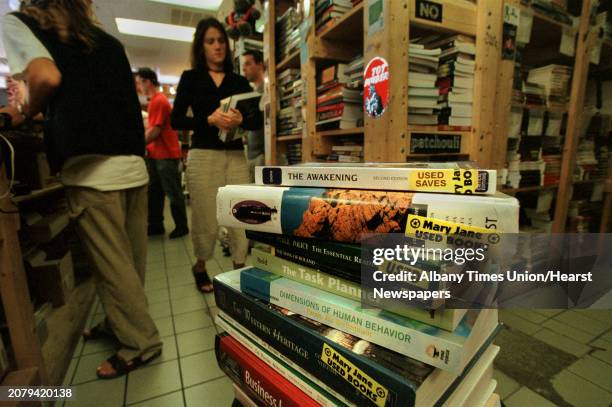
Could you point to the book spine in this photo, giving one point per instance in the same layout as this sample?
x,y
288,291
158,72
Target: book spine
x,y
306,348
281,365
314,278
337,259
349,289
261,381
414,179
414,343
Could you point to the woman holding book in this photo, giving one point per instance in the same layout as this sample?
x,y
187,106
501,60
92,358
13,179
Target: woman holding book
x,y
211,162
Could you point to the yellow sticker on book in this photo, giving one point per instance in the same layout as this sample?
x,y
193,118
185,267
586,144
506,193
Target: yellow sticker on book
x,y
451,233
352,374
457,181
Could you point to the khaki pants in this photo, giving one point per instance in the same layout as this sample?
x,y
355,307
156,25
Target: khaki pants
x,y
113,228
260,160
207,171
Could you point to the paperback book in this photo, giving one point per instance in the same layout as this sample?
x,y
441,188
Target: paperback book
x,y
447,319
436,347
457,177
346,215
261,381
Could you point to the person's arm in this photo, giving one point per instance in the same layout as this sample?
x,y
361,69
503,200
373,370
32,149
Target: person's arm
x,y
158,115
28,56
152,133
182,102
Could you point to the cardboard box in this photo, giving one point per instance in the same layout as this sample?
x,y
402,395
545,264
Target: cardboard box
x,y
53,279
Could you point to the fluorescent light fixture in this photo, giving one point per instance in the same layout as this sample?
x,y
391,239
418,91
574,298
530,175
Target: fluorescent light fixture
x,y
212,5
168,79
155,30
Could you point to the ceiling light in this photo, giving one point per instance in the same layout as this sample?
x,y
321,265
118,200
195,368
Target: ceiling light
x,y
212,5
155,30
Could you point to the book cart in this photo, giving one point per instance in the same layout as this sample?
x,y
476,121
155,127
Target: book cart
x,y
544,49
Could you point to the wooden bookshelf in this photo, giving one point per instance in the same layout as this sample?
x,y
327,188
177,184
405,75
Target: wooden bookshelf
x,y
348,27
39,193
340,132
536,188
291,61
540,108
288,138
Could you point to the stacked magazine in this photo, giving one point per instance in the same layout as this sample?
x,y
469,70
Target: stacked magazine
x,y
295,330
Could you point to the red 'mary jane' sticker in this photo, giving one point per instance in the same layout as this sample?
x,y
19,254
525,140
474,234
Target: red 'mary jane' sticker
x,y
376,87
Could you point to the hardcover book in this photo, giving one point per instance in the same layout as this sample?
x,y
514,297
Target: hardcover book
x,y
347,215
261,381
436,347
311,348
421,177
245,102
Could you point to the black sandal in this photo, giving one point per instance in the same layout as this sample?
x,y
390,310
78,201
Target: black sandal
x,y
121,367
202,279
97,333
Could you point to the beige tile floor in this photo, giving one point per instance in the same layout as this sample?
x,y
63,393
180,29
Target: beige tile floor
x,y
187,374
585,334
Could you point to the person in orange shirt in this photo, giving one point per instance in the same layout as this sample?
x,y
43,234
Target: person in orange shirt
x,y
164,152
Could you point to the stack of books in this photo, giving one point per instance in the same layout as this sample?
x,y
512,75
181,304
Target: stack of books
x,y
295,331
287,33
513,157
554,79
552,172
552,10
294,153
327,12
289,119
456,79
338,106
538,208
422,90
354,73
349,152
535,94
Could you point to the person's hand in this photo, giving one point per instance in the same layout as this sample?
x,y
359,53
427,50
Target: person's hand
x,y
16,91
235,118
225,120
16,118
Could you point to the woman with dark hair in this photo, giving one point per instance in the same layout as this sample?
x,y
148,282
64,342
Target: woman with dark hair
x,y
211,163
80,78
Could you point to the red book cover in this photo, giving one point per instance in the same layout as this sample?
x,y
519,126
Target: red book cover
x,y
337,106
326,86
330,94
259,380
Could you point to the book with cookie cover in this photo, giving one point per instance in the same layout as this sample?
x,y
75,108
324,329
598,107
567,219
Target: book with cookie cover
x,y
348,215
452,177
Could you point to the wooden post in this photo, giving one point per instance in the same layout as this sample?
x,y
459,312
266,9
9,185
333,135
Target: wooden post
x,y
574,117
271,91
309,91
502,103
14,289
385,137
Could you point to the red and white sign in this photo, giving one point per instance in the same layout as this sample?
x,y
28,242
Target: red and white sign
x,y
376,87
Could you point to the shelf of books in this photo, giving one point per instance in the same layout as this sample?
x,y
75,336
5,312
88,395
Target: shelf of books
x,y
588,200
541,84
